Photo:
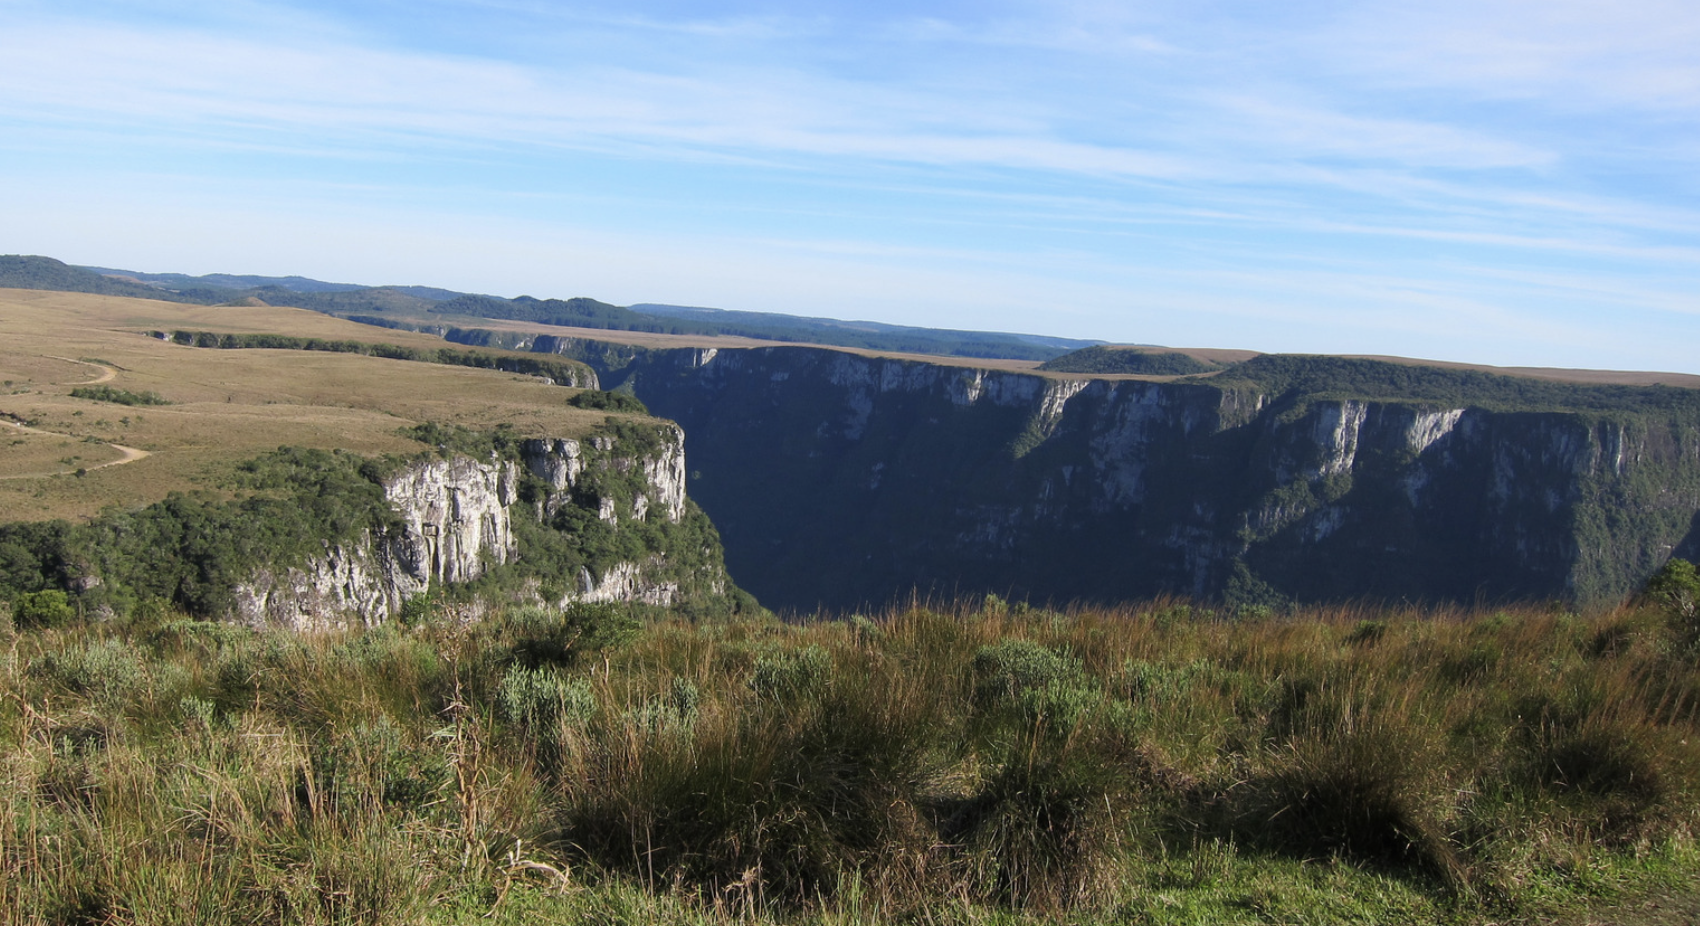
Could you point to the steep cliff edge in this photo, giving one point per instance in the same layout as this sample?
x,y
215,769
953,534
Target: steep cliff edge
x,y
320,538
837,479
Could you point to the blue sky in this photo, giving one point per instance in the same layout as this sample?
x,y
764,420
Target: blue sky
x,y
1499,181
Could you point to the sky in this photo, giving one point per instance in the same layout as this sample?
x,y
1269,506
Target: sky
x,y
1510,182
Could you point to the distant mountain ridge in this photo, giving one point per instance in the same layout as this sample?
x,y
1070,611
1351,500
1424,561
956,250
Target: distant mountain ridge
x,y
730,316
432,308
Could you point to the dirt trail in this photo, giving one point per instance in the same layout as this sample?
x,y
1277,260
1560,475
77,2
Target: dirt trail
x,y
106,372
1680,909
130,454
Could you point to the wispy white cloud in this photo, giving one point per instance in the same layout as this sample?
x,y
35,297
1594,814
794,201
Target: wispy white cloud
x,y
1372,171
1313,132
163,77
1568,52
174,79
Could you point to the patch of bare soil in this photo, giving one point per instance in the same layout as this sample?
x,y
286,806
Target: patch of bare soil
x,y
1679,909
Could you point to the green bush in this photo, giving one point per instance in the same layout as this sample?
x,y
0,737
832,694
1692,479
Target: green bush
x,y
546,637
597,400
540,698
118,396
106,671
1367,633
1676,587
786,675
46,608
1004,672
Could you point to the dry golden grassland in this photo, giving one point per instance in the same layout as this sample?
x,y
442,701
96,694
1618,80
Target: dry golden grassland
x,y
227,405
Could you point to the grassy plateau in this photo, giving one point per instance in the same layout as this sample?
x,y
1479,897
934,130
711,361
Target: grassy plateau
x,y
218,408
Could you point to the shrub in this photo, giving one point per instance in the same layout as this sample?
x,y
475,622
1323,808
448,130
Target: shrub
x,y
46,608
416,610
197,713
1004,671
540,698
1676,588
1367,633
785,675
548,638
1156,683
673,714
105,671
118,396
864,631
597,400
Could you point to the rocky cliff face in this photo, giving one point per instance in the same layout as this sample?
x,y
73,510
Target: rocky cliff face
x,y
839,480
459,518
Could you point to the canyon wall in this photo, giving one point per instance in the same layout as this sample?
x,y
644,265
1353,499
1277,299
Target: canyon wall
x,y
840,481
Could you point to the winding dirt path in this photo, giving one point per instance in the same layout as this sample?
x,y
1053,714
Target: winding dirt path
x,y
106,372
129,454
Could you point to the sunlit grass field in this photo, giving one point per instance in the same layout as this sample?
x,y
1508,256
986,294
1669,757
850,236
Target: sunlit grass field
x,y
226,406
984,764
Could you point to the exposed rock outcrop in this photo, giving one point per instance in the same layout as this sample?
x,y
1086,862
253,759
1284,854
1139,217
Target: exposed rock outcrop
x,y
456,519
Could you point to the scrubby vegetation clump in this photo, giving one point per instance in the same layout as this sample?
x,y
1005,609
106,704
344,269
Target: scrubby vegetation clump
x,y
118,396
1158,763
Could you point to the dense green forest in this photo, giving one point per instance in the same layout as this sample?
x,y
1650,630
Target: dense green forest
x,y
1323,377
1134,360
190,551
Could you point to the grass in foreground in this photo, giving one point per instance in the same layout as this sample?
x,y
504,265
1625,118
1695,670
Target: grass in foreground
x,y
985,765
